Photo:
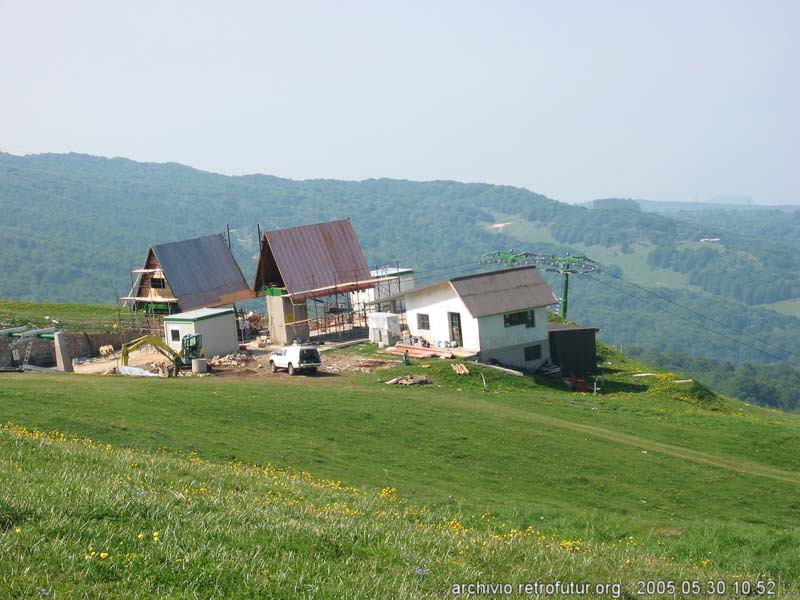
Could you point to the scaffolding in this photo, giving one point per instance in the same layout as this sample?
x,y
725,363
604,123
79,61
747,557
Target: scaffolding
x,y
335,316
142,280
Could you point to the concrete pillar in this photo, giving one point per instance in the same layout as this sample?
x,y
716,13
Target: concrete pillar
x,y
63,358
282,316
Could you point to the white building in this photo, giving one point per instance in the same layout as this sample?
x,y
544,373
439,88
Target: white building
x,y
501,315
390,281
216,325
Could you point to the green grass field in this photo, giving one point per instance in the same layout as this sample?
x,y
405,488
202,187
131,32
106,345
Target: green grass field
x,y
78,317
658,478
785,307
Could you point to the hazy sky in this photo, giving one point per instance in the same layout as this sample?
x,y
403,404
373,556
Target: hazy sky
x,y
576,100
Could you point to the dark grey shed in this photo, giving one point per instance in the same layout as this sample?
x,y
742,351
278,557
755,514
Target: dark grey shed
x,y
573,348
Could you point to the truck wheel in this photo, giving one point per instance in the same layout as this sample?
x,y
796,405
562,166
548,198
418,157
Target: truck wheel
x,y
272,366
312,370
290,369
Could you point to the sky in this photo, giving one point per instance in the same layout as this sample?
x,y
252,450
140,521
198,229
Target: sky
x,y
672,100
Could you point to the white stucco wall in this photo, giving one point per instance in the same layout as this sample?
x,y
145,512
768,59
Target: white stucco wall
x,y
494,333
219,334
436,302
183,329
507,344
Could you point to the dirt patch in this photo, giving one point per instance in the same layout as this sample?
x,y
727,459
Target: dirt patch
x,y
338,363
142,358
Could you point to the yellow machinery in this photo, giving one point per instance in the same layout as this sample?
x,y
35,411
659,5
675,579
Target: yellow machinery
x,y
191,347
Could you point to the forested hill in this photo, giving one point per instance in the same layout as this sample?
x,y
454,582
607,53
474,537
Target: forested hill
x,y
73,225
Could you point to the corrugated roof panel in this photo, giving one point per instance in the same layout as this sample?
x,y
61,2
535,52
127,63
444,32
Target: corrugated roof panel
x,y
202,272
317,260
503,291
198,314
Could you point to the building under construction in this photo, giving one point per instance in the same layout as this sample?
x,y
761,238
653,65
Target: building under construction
x,y
182,276
307,274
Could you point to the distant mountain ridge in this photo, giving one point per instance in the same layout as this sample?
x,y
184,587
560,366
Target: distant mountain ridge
x,y
671,206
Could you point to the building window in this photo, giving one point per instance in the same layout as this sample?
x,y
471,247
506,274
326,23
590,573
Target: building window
x,y
423,321
524,317
533,352
175,335
158,283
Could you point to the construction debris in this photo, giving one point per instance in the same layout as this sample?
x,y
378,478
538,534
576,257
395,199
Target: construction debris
x,y
409,380
460,369
549,369
236,359
135,371
575,384
418,351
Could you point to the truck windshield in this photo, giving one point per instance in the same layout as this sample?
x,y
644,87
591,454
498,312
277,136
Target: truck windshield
x,y
310,355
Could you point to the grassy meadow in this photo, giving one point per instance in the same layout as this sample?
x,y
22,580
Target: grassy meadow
x,y
633,263
339,486
75,317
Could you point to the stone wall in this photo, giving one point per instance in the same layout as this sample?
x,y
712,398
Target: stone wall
x,y
43,351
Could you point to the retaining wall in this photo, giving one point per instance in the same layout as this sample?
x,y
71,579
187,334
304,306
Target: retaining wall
x,y
43,352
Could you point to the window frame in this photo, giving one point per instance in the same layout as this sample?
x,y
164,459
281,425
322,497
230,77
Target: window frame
x,y
175,334
522,317
538,351
423,321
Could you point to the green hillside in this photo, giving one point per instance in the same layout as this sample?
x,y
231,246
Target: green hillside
x,y
654,478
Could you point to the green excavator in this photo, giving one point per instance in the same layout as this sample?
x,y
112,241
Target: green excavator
x,y
191,347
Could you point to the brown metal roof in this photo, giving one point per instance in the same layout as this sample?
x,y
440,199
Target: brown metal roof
x,y
503,291
312,261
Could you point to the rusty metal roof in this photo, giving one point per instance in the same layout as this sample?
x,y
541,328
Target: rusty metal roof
x,y
312,261
202,272
503,291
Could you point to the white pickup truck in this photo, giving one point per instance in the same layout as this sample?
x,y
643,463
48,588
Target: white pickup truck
x,y
296,358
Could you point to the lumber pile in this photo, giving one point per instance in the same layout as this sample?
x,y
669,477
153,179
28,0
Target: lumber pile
x,y
418,351
460,369
409,380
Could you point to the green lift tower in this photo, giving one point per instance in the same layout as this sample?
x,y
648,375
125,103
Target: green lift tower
x,y
566,265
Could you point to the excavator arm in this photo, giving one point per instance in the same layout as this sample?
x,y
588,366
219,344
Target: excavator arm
x,y
152,340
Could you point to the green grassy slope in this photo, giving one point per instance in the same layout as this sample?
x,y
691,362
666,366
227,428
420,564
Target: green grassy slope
x,y
73,317
698,482
137,524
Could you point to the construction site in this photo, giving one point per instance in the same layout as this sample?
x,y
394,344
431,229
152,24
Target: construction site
x,y
189,312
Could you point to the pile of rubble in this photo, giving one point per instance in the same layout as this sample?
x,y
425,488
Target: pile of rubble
x,y
236,359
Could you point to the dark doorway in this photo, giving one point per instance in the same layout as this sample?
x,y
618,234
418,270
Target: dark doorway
x,y
455,328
